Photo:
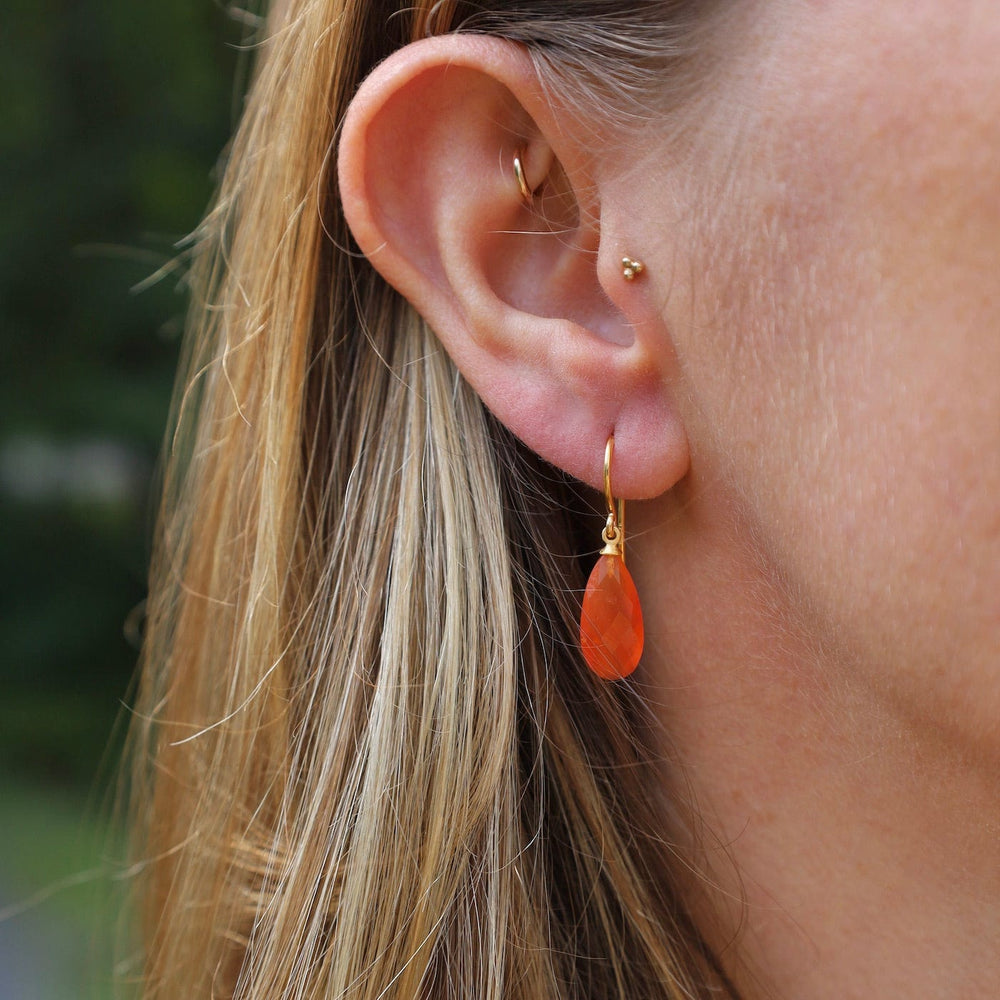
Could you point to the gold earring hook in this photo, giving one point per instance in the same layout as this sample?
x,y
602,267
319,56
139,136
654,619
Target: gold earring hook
x,y
614,530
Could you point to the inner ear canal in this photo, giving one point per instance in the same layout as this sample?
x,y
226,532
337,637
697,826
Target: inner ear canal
x,y
546,265
534,265
556,205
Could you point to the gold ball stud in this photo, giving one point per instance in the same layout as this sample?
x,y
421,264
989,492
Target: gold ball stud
x,y
631,268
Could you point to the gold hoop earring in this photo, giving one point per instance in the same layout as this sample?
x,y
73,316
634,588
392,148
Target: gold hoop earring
x,y
611,629
522,184
631,269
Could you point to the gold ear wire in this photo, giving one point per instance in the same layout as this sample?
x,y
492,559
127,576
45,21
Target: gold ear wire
x,y
522,184
614,531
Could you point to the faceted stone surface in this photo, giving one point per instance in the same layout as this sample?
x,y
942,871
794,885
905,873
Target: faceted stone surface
x,y
611,632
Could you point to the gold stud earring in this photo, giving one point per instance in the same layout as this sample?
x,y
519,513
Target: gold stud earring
x,y
522,184
631,269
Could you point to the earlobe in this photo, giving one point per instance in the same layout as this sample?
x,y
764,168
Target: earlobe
x,y
516,287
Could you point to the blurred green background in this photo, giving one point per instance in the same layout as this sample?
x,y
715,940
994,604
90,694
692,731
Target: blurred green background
x,y
112,116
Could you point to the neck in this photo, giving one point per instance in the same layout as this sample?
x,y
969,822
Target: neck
x,y
844,851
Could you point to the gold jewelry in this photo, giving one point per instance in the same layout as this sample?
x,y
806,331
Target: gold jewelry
x,y
614,529
611,629
522,184
631,269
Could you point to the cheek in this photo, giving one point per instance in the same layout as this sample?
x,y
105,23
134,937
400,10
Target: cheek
x,y
845,365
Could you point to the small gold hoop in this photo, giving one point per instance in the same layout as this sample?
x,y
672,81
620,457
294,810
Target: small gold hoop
x,y
522,183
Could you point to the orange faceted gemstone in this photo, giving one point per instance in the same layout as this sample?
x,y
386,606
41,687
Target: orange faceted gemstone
x,y
611,632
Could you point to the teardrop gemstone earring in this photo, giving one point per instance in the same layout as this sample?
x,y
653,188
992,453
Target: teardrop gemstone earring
x,y
611,631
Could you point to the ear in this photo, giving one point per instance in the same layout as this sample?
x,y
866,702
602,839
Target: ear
x,y
528,297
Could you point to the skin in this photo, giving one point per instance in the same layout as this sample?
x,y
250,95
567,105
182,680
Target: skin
x,y
857,408
823,590
803,389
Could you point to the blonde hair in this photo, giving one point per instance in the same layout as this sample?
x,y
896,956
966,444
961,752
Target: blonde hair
x,y
367,759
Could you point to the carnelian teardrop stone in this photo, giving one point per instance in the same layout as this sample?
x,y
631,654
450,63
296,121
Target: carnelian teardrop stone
x,y
611,632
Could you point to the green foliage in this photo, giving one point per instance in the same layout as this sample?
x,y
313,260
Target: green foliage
x,y
112,115
56,917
